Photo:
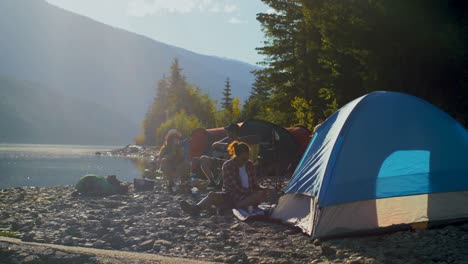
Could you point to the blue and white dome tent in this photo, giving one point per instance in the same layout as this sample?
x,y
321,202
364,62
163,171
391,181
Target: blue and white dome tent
x,y
384,160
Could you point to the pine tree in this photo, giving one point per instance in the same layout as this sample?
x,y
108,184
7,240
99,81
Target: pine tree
x,y
178,93
227,96
176,100
156,113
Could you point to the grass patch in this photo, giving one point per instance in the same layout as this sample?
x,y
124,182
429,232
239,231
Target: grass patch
x,y
7,233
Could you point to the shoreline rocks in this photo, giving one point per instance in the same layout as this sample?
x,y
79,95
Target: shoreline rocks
x,y
144,153
152,222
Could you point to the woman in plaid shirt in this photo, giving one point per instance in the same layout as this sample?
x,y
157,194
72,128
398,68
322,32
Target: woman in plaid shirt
x,y
240,189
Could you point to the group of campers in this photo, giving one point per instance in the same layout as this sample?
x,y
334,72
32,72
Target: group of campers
x,y
239,186
228,172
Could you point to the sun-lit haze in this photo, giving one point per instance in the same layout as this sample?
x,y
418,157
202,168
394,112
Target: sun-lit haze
x,y
226,28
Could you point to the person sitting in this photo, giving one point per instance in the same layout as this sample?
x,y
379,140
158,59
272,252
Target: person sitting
x,y
171,160
209,164
240,188
93,185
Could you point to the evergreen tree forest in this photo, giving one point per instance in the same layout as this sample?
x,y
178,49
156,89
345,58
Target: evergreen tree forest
x,y
321,54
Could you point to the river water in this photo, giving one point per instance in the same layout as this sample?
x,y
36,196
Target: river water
x,y
51,165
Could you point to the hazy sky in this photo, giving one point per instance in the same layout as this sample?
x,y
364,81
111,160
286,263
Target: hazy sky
x,y
225,28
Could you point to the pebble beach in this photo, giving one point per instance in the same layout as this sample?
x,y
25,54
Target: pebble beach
x,y
151,222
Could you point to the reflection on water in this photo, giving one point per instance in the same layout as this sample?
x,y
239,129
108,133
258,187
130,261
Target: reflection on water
x,y
50,165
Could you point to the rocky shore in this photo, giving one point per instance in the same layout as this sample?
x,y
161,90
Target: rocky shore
x,y
152,222
143,153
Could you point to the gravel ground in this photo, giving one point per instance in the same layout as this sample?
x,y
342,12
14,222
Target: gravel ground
x,y
152,222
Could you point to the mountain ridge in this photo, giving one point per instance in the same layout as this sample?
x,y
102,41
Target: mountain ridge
x,y
89,61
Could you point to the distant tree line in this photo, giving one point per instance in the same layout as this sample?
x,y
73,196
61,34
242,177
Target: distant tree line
x,y
321,54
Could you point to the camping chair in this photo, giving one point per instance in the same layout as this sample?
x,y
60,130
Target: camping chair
x,y
253,141
273,161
